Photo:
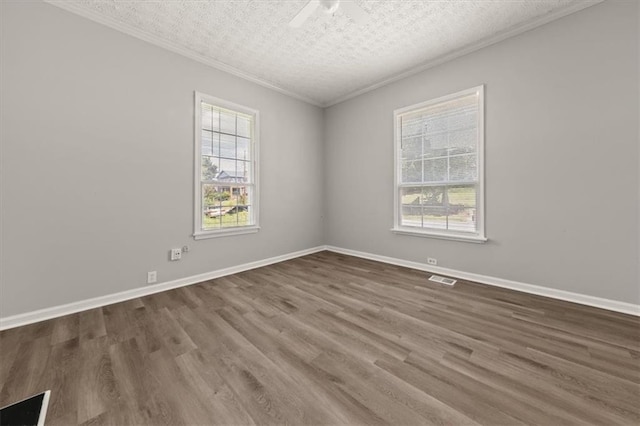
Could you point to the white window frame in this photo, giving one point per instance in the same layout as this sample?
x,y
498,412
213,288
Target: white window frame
x,y
477,237
200,233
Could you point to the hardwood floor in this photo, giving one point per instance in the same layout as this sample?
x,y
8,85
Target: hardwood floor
x,y
330,339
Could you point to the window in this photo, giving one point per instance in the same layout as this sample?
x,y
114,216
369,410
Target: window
x,y
439,151
226,184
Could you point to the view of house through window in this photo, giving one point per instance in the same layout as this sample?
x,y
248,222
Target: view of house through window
x,y
226,180
439,147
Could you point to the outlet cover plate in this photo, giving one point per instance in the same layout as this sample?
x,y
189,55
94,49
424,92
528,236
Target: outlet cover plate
x,y
176,254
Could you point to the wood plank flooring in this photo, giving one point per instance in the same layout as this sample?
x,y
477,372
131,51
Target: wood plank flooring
x,y
328,339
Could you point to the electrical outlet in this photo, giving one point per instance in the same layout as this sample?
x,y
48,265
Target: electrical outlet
x,y
152,277
432,261
176,254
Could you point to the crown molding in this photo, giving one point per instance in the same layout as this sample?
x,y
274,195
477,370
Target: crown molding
x,y
175,48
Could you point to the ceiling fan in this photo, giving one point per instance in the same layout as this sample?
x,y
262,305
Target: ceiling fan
x,y
350,8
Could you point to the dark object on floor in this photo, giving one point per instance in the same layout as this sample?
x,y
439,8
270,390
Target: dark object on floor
x,y
28,412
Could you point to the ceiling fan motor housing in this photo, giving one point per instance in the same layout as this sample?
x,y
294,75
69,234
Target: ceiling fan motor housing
x,y
330,6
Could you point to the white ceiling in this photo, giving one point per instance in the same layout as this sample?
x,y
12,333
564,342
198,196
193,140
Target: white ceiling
x,y
330,58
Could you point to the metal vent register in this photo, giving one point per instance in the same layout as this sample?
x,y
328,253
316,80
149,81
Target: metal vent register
x,y
442,280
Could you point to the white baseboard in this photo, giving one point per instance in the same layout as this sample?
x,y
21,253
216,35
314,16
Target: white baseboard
x,y
83,305
598,302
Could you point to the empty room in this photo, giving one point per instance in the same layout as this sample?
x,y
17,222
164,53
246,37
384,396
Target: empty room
x,y
320,212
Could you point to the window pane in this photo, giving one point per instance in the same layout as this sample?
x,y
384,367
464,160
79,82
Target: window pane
x,y
433,199
436,146
411,206
206,116
210,117
225,206
462,208
211,207
436,122
463,168
430,207
412,126
242,170
243,145
463,141
432,220
412,148
412,171
230,208
227,146
206,141
235,208
244,215
227,122
227,170
210,143
216,143
211,219
244,126
210,167
435,170
434,207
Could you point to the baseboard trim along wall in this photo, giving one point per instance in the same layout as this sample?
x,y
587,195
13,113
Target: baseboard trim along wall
x,y
96,302
598,302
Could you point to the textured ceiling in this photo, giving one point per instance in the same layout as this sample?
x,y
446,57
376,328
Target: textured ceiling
x,y
329,58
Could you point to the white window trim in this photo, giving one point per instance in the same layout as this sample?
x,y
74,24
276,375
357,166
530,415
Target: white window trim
x,y
198,232
479,236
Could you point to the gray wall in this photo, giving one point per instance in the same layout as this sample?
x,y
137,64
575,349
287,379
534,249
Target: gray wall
x,y
561,158
96,162
97,147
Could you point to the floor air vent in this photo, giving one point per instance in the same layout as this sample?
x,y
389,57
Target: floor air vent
x,y
442,280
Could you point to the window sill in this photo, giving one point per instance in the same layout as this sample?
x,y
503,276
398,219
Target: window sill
x,y
439,235
202,235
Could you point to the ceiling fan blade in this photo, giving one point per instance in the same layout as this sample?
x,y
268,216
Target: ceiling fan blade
x,y
304,14
354,11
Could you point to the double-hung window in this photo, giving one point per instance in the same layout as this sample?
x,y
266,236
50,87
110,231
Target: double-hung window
x,y
226,173
439,156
